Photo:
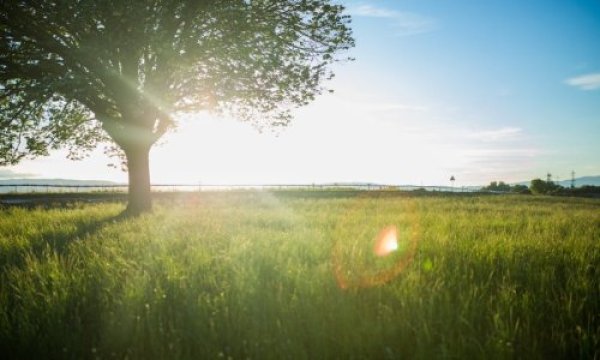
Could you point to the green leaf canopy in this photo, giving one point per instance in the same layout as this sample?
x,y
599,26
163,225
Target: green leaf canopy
x,y
77,72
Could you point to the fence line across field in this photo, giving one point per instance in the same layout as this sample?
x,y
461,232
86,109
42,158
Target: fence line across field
x,y
33,188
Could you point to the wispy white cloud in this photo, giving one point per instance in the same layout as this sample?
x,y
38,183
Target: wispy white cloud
x,y
585,82
387,107
505,154
502,134
405,23
402,107
372,11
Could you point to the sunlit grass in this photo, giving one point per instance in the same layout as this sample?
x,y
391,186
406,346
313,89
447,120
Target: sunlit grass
x,y
253,275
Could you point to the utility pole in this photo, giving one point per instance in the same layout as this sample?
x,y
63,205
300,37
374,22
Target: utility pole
x,y
573,179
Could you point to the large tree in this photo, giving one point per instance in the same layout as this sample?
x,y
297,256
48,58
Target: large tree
x,y
76,73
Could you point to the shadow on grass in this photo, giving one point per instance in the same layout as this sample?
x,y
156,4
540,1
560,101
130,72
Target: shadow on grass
x,y
56,200
54,240
34,306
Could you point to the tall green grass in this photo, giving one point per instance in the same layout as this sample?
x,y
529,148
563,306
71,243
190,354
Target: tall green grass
x,y
256,275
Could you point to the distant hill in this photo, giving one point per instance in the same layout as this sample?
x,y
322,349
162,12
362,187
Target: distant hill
x,y
579,182
58,182
584,180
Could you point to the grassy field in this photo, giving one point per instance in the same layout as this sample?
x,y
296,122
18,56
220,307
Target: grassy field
x,y
276,275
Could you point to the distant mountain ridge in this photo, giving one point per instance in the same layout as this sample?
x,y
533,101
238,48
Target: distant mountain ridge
x,y
579,182
57,182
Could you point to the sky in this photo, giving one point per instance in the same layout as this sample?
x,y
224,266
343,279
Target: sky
x,y
500,90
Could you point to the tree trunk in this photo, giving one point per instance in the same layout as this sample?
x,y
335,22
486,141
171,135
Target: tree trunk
x,y
138,165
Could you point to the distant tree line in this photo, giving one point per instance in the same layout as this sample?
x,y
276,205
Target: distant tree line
x,y
583,191
501,186
548,187
539,186
543,187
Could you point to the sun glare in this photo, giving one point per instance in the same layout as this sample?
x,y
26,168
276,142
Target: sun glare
x,y
386,241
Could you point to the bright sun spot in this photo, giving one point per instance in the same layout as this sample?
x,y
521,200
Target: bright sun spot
x,y
386,241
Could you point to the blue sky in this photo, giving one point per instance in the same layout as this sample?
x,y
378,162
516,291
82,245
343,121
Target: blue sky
x,y
528,72
482,90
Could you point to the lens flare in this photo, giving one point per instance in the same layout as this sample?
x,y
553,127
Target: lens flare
x,y
386,242
391,252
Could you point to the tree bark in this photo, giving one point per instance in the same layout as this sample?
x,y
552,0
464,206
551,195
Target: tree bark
x,y
138,164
